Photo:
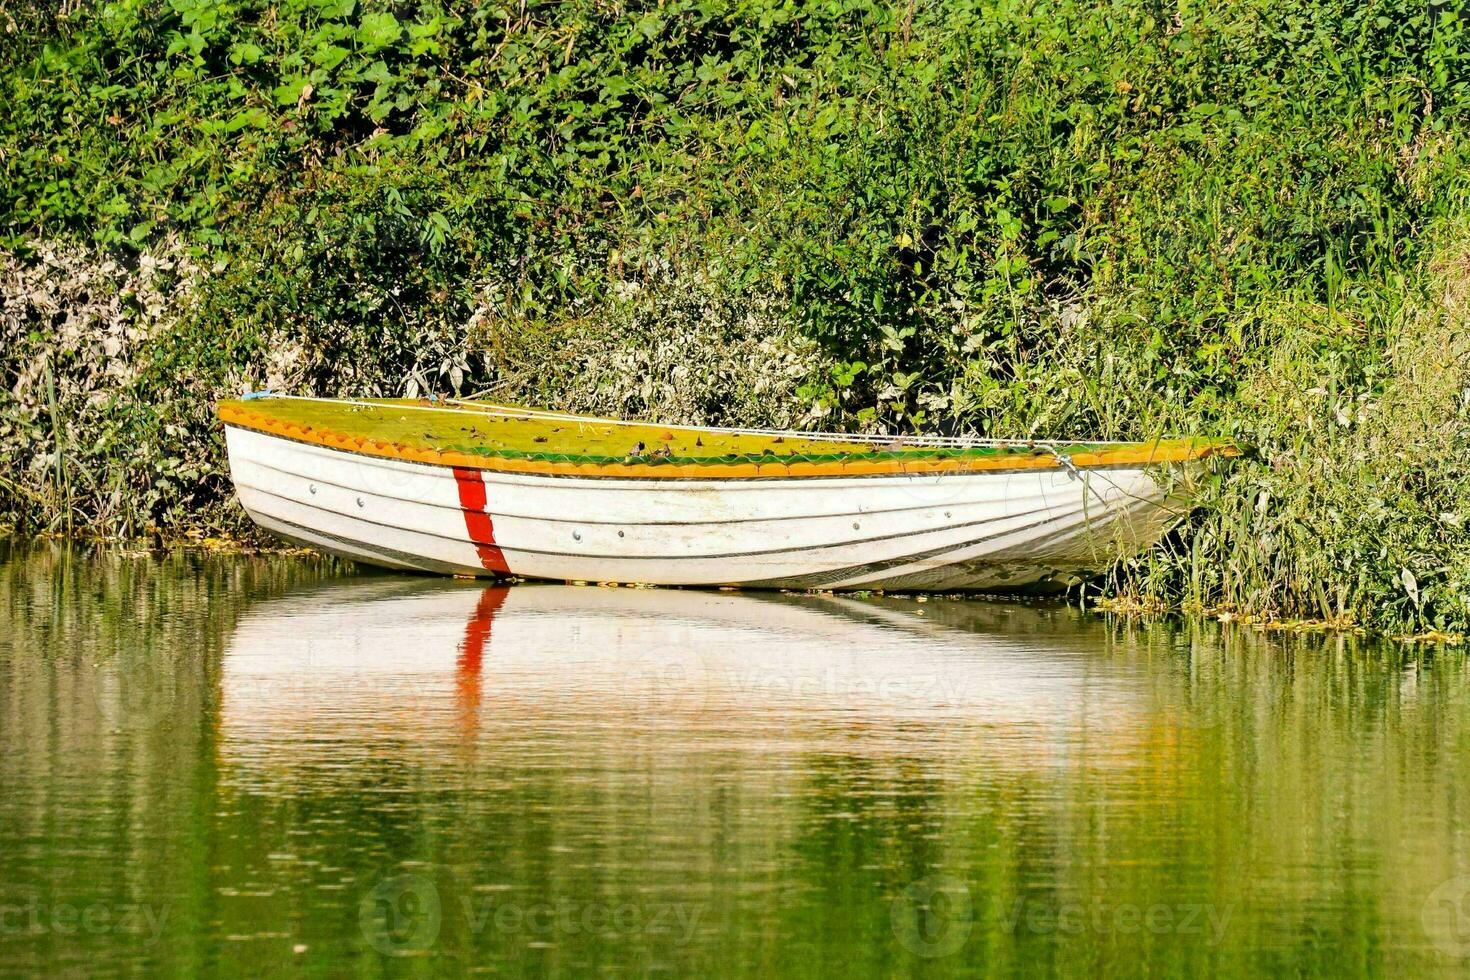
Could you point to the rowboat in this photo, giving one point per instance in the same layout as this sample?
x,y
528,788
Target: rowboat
x,y
470,488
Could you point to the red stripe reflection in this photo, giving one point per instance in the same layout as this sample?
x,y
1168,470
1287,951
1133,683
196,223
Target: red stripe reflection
x,y
472,654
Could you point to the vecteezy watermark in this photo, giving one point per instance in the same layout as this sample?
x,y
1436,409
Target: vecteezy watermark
x,y
1204,919
35,917
839,683
136,699
565,916
402,916
935,915
1445,916
651,687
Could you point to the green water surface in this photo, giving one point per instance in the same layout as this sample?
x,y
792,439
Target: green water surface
x,y
264,765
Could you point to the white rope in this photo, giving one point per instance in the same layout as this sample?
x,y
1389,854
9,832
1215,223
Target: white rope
x,y
892,442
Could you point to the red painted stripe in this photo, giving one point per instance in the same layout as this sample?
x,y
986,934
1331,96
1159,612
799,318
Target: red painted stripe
x,y
476,521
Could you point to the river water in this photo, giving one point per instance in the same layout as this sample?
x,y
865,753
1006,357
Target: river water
x,y
255,765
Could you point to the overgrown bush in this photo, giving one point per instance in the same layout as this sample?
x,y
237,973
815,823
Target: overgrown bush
x,y
82,437
1356,504
1057,219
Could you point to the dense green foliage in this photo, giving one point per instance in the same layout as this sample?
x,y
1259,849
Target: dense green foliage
x,y
1068,218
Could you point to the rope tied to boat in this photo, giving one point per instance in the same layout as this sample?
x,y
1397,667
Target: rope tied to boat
x,y
1065,459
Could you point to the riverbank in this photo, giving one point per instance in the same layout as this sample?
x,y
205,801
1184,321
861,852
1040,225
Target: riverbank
x,y
1089,224
1351,511
254,543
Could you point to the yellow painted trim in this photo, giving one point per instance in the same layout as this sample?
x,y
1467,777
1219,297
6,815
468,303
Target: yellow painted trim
x,y
1135,454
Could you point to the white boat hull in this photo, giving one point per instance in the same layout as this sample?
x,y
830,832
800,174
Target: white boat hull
x,y
993,531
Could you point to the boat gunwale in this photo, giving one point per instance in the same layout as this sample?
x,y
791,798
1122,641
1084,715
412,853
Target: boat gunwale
x,y
917,461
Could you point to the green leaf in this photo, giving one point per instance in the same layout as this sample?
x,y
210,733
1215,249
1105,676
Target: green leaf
x,y
245,53
378,30
289,92
329,56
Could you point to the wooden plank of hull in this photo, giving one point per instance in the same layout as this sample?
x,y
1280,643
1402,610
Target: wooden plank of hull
x,y
959,531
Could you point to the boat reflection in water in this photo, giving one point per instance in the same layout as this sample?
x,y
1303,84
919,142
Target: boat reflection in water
x,y
364,660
